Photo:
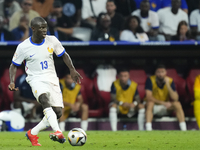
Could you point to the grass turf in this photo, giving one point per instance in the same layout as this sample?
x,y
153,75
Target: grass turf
x,y
107,140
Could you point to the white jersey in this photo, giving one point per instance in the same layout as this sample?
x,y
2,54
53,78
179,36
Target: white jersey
x,y
38,59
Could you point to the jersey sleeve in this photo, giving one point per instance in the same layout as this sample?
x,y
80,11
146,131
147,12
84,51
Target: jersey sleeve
x,y
148,84
18,57
173,86
113,89
155,21
193,20
59,50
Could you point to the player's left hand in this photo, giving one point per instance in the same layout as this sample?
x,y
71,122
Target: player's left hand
x,y
11,87
75,76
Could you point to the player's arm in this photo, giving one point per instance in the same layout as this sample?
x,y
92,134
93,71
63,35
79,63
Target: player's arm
x,y
12,74
74,74
172,92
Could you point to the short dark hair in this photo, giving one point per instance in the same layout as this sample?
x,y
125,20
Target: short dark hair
x,y
111,1
35,21
123,70
160,66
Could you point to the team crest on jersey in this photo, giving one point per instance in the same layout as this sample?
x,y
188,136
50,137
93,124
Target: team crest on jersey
x,y
15,55
50,50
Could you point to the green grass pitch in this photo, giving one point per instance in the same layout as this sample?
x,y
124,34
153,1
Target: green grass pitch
x,y
108,140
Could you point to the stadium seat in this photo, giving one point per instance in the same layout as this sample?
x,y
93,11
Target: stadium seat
x,y
7,94
172,72
139,76
89,96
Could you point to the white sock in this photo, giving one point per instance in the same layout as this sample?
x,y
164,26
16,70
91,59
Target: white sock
x,y
18,110
141,119
113,118
183,126
84,124
62,126
148,126
43,124
51,118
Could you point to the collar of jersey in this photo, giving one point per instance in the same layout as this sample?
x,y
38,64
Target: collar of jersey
x,y
36,43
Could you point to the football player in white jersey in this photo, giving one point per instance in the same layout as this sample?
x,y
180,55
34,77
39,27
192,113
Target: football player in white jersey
x,y
37,54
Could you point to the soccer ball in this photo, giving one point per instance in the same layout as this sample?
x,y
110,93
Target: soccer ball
x,y
77,137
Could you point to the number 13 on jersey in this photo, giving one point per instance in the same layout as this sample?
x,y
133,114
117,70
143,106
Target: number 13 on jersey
x,y
44,65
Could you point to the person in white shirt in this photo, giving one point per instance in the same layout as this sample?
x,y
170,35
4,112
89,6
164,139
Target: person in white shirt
x,y
170,17
195,23
37,54
149,21
133,31
91,9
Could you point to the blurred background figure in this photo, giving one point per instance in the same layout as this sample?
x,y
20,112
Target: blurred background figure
x,y
73,102
183,33
23,31
195,23
125,100
117,20
170,17
91,10
133,31
125,7
5,35
184,6
24,102
26,10
103,30
149,21
7,9
197,99
160,89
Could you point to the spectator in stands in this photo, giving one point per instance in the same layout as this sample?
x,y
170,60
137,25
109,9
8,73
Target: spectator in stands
x,y
91,10
103,30
160,89
5,35
43,7
117,20
7,8
125,100
197,99
24,101
23,31
184,6
125,7
73,102
149,21
133,32
195,23
26,10
182,32
170,17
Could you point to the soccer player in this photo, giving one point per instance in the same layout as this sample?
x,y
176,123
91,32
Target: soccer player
x,y
37,54
159,90
73,102
197,99
125,100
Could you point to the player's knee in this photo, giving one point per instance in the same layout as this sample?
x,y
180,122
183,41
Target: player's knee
x,y
114,105
177,105
84,107
141,106
43,99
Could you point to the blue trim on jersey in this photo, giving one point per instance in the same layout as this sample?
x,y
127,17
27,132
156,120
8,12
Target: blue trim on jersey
x,y
193,25
155,27
16,64
36,43
61,53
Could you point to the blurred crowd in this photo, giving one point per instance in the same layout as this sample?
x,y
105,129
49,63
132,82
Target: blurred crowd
x,y
103,20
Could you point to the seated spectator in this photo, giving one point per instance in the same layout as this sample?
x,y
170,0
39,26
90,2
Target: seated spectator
x,y
184,6
133,31
125,7
26,10
125,100
103,30
91,10
182,32
73,102
197,99
23,31
24,101
149,21
117,20
5,35
195,23
169,19
160,89
7,9
43,7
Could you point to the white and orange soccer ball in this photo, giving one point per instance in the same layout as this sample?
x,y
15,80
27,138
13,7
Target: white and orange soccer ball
x,y
77,137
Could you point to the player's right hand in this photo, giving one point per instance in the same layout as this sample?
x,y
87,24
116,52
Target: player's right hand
x,y
11,87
